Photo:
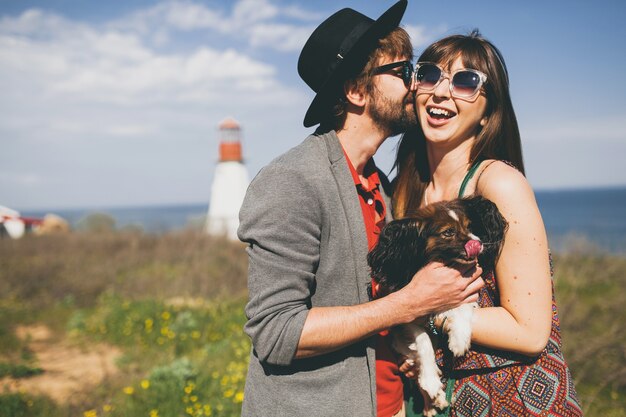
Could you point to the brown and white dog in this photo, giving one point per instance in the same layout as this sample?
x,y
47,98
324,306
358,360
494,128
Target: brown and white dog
x,y
458,233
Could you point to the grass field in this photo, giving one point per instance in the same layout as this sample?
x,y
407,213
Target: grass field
x,y
128,324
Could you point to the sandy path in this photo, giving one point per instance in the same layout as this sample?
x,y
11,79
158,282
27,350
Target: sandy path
x,y
68,370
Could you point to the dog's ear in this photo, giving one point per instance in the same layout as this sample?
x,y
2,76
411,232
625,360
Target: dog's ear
x,y
393,258
489,225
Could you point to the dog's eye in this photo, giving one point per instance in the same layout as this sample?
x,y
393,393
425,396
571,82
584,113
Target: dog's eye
x,y
449,232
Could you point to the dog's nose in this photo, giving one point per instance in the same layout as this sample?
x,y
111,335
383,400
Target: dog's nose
x,y
473,248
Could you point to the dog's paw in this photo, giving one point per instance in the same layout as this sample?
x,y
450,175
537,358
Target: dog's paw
x,y
440,400
458,325
459,341
431,412
431,385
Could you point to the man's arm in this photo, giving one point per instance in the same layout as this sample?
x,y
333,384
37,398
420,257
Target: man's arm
x,y
281,221
434,288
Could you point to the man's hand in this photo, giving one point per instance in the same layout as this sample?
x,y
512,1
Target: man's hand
x,y
436,288
408,367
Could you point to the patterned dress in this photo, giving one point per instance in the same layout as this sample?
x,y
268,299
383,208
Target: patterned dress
x,y
496,383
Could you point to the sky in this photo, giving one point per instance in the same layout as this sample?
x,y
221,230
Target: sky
x,y
117,103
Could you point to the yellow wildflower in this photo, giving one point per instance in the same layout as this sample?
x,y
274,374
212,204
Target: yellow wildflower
x,y
145,384
239,397
154,413
166,315
229,393
195,334
193,398
107,408
90,413
189,410
129,390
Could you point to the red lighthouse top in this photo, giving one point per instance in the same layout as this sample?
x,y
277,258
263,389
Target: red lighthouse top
x,y
230,141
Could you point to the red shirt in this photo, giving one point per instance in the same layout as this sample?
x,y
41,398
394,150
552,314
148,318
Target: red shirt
x,y
389,389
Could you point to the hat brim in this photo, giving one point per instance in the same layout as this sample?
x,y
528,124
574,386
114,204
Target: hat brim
x,y
357,55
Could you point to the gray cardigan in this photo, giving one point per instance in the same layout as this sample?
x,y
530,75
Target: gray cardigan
x,y
307,248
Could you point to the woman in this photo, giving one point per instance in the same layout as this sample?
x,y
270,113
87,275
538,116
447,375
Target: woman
x,y
468,143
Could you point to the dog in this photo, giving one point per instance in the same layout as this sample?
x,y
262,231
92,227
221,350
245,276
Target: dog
x,y
458,233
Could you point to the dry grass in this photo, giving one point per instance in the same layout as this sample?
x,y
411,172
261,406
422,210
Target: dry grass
x,y
50,278
79,267
591,296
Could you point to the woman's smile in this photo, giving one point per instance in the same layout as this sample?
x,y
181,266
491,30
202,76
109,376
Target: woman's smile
x,y
438,116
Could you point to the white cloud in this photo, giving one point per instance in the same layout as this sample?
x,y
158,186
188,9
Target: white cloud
x,y
258,22
130,130
114,66
422,36
248,12
109,103
190,16
280,36
302,14
20,179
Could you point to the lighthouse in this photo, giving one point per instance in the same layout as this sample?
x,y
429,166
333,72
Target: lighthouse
x,y
230,183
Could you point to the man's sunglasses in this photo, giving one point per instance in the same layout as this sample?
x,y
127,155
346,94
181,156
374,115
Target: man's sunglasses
x,y
464,83
402,69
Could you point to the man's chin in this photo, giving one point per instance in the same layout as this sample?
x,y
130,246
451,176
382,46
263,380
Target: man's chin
x,y
406,122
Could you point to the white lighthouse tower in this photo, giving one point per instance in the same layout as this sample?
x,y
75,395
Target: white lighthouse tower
x,y
230,183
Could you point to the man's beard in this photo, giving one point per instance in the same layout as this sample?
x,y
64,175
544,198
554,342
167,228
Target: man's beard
x,y
394,117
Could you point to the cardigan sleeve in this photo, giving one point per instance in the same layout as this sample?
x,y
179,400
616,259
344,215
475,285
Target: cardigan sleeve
x,y
280,220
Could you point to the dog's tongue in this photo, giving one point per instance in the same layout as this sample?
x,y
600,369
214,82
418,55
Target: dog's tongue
x,y
473,247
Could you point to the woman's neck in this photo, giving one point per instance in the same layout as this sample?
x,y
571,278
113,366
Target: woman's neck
x,y
448,166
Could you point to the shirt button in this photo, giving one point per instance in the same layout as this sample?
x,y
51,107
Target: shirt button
x,y
370,201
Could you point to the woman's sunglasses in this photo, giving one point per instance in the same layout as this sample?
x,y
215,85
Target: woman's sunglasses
x,y
402,69
464,83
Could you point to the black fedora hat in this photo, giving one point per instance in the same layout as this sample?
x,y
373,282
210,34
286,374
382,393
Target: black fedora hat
x,y
338,49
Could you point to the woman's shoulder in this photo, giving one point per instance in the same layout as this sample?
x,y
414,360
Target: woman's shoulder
x,y
501,182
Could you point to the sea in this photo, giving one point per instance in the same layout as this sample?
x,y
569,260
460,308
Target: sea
x,y
575,220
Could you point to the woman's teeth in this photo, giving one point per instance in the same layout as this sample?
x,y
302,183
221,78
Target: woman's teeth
x,y
440,113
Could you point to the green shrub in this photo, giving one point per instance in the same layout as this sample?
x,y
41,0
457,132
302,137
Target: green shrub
x,y
23,405
18,370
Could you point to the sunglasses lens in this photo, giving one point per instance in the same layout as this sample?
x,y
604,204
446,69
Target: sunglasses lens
x,y
465,83
407,73
428,76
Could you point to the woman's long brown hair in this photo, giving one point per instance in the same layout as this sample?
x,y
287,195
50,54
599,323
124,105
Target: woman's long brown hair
x,y
498,139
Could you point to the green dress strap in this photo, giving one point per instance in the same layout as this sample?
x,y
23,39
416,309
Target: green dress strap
x,y
468,176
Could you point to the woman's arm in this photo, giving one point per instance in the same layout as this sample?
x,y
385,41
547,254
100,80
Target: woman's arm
x,y
523,321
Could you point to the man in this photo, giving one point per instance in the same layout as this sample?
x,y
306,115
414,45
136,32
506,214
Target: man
x,y
309,218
